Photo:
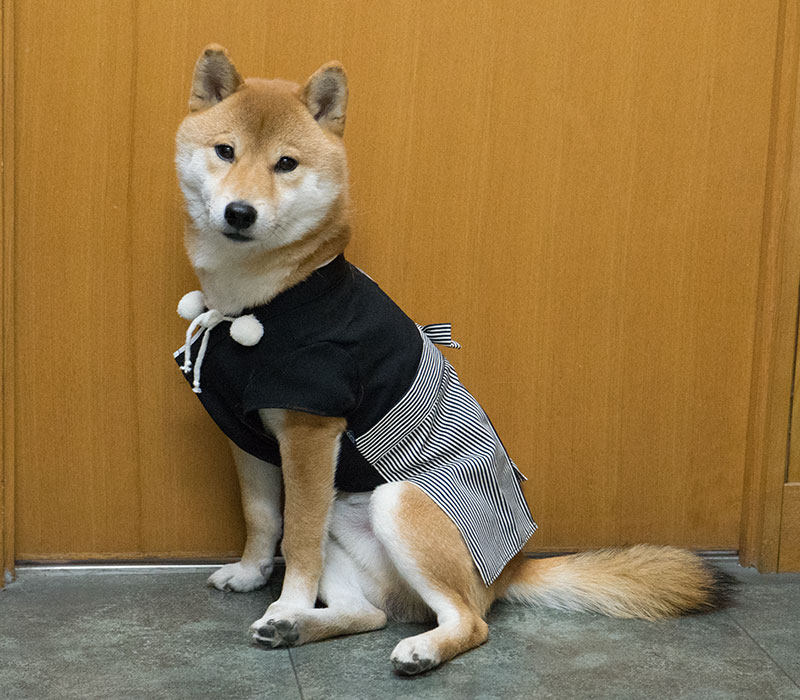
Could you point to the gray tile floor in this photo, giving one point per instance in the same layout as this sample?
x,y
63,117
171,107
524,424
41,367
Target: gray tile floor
x,y
166,635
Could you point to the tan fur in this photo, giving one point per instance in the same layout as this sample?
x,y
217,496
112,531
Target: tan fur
x,y
309,448
642,581
439,550
392,552
432,557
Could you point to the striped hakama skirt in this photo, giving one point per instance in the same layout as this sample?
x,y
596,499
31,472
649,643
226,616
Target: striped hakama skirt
x,y
439,438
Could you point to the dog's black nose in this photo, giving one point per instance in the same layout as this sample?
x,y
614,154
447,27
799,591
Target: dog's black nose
x,y
240,215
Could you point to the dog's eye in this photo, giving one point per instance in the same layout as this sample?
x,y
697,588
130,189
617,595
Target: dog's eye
x,y
285,164
224,151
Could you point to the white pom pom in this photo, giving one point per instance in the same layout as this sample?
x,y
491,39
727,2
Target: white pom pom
x,y
191,305
247,330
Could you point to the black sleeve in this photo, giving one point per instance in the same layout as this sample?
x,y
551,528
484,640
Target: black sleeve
x,y
321,379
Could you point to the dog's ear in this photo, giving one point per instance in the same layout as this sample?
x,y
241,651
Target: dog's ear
x,y
325,95
215,77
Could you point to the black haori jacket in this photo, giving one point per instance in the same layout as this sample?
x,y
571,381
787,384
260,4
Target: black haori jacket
x,y
336,345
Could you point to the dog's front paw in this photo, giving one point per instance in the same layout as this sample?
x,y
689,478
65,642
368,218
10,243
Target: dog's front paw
x,y
279,627
414,655
241,577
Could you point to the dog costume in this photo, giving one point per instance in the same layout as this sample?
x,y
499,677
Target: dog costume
x,y
336,345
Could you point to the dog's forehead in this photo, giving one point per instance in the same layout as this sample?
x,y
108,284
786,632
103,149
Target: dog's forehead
x,y
267,107
275,94
260,110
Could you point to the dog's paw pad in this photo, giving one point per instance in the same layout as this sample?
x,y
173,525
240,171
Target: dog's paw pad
x,y
276,633
412,667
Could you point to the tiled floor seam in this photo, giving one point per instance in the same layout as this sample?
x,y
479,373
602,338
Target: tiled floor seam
x,y
766,653
296,676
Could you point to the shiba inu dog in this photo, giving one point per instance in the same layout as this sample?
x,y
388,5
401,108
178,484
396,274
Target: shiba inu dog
x,y
399,501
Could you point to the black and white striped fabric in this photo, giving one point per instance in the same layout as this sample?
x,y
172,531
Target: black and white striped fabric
x,y
440,333
439,438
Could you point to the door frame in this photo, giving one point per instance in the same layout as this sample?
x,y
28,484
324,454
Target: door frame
x,y
7,293
775,338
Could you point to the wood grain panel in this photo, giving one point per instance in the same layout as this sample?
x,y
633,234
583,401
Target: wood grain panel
x,y
572,184
78,489
598,231
789,556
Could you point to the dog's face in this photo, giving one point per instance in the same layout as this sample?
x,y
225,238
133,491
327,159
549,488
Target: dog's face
x,y
261,163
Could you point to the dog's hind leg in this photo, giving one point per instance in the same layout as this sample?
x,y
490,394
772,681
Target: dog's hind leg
x,y
260,484
348,611
429,553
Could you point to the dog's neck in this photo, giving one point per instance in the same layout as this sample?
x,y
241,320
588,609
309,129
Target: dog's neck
x,y
254,278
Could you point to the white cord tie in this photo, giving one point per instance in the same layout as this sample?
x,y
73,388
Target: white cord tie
x,y
245,330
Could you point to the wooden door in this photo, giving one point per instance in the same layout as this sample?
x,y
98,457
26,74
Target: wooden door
x,y
577,186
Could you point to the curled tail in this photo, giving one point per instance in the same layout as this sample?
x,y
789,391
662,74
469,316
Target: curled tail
x,y
642,581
